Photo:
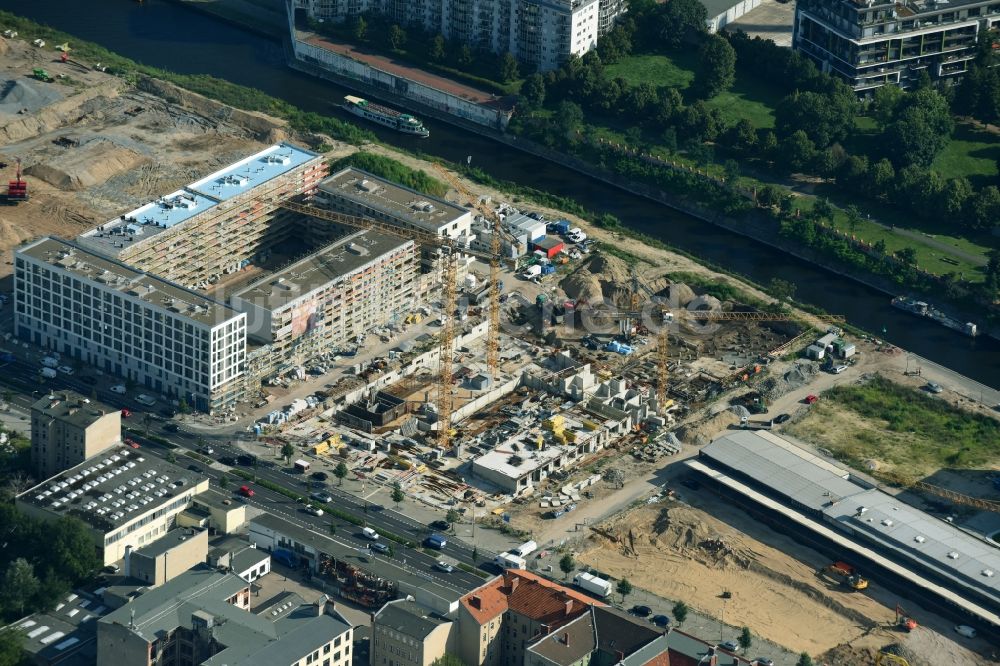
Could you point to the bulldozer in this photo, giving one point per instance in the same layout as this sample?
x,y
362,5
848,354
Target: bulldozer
x,y
42,75
847,575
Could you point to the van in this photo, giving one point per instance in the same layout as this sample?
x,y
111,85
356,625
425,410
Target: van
x,y
532,272
369,533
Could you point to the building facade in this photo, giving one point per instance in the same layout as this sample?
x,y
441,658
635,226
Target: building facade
x,y
406,634
542,34
128,323
67,429
168,557
126,499
873,43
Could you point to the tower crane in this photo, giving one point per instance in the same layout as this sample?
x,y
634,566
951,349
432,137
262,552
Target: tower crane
x,y
498,234
449,296
667,315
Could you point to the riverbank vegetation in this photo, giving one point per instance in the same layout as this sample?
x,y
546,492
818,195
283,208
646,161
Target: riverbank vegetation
x,y
393,170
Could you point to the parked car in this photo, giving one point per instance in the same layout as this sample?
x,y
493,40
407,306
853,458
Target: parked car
x,y
661,620
131,443
764,661
112,568
576,236
126,412
641,611
320,476
65,369
781,418
380,547
934,387
208,450
246,461
965,630
442,525
441,565
810,399
246,491
731,646
228,460
144,399
119,389
839,369
314,510
168,412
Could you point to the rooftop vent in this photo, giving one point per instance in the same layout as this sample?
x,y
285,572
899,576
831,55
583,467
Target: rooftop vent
x,y
920,538
953,555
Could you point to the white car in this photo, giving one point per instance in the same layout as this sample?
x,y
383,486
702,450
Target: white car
x,y
441,565
965,630
576,236
934,387
119,389
144,399
839,369
314,510
65,369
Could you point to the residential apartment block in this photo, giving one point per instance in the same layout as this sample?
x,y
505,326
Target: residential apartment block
x,y
540,33
67,429
128,323
871,43
203,617
407,634
126,499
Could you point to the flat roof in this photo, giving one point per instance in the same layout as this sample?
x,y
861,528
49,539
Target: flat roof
x,y
252,171
337,260
115,276
916,535
409,618
67,629
499,459
113,488
400,202
167,542
783,467
248,557
72,408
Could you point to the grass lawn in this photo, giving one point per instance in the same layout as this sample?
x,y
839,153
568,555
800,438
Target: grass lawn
x,y
749,100
656,69
972,153
907,432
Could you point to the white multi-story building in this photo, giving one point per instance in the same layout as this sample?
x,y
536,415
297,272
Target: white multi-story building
x,y
540,33
129,323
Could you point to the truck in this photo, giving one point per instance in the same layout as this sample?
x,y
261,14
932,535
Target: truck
x,y
532,272
369,534
49,373
301,466
510,561
436,541
593,584
50,362
286,557
525,549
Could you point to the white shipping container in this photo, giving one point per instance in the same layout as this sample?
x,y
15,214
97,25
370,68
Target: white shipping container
x,y
525,549
593,584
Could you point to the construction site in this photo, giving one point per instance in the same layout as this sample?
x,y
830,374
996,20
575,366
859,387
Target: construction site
x,y
545,402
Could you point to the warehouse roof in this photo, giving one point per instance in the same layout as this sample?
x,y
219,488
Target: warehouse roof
x,y
114,276
783,467
398,202
341,259
916,535
72,408
252,171
114,488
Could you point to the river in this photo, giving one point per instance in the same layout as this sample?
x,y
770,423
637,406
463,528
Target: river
x,y
167,35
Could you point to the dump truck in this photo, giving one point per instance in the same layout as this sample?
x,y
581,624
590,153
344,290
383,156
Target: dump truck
x,y
848,575
593,584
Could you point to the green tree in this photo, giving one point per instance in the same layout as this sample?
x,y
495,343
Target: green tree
x,y
954,196
475,554
783,290
746,639
438,48
11,650
508,68
824,117
465,56
797,151
984,208
680,612
718,67
640,99
340,471
533,90
907,255
879,247
397,493
448,660
853,218
883,178
360,28
885,102
171,457
397,37
70,550
182,406
19,585
333,528
567,564
678,20
287,451
822,210
569,119
147,420
743,137
624,588
453,517
920,130
804,660
224,482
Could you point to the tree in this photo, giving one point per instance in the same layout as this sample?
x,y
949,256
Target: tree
x,y
224,482
533,90
182,406
883,178
465,56
907,255
680,612
984,208
783,290
743,136
171,457
885,102
397,494
360,28
70,550
920,129
804,660
508,68
822,210
438,50
333,528
569,118
453,517
567,564
639,99
718,67
19,585
11,652
797,151
677,20
397,37
287,451
147,420
340,471
447,660
853,218
824,117
746,639
879,247
624,588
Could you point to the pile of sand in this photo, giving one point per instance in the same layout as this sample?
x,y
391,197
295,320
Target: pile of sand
x,y
87,166
800,374
20,94
702,432
604,278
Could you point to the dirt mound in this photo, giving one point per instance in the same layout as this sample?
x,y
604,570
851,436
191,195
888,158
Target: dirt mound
x,y
20,94
702,432
87,166
800,374
602,277
680,294
846,655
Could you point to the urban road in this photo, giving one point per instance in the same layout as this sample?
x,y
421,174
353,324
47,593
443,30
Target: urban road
x,y
21,378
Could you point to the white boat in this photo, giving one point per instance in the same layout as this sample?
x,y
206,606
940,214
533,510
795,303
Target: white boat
x,y
401,122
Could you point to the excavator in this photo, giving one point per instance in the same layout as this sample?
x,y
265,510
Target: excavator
x,y
903,621
890,658
848,575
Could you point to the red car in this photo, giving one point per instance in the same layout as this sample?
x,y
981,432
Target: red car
x,y
126,412
132,443
246,491
810,399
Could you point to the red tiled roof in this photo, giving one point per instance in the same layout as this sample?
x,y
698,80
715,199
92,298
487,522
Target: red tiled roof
x,y
528,594
486,603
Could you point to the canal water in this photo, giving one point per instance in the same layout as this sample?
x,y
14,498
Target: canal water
x,y
168,35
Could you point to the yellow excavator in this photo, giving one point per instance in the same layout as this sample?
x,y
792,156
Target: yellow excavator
x,y
889,658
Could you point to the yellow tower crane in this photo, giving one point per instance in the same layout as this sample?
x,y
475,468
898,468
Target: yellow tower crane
x,y
497,235
667,315
449,295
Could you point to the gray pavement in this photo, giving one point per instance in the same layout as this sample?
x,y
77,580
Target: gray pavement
x,y
771,20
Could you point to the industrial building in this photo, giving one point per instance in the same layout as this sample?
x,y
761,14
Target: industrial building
x,y
67,429
875,43
175,552
128,323
127,500
203,617
330,297
941,561
539,34
216,225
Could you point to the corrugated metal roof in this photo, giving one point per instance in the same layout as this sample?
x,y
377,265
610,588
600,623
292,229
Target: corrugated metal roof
x,y
793,472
